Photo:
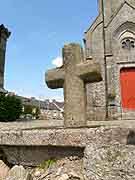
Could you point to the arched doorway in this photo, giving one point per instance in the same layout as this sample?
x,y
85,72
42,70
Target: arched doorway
x,y
127,80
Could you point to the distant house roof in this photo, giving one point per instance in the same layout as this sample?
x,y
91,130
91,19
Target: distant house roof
x,y
46,104
58,105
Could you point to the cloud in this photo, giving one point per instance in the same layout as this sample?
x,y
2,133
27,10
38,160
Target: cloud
x,y
58,62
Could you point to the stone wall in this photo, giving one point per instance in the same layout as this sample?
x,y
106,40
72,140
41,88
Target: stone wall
x,y
51,114
91,153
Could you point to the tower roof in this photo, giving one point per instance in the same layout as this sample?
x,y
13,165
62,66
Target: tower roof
x,y
4,31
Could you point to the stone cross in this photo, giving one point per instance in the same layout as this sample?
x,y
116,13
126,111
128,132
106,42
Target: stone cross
x,y
4,35
73,76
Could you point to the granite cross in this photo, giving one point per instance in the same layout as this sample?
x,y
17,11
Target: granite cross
x,y
73,76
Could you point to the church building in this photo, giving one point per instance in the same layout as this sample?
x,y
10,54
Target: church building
x,y
110,41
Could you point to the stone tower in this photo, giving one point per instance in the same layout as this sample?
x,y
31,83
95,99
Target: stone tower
x,y
110,41
4,35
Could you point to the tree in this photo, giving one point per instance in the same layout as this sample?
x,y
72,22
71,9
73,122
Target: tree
x,y
36,112
33,110
10,107
27,109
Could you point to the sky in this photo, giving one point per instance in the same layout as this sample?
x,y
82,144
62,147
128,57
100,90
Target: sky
x,y
40,28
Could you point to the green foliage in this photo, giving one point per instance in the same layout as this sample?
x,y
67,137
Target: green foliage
x,y
33,110
27,109
36,113
46,164
10,107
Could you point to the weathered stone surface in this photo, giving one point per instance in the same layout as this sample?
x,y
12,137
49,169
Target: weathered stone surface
x,y
85,153
72,77
18,173
89,72
110,162
36,124
33,156
70,137
55,78
63,177
65,168
4,169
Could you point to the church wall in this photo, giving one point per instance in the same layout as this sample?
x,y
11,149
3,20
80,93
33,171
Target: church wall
x,y
119,57
132,2
110,7
119,16
96,106
115,5
97,24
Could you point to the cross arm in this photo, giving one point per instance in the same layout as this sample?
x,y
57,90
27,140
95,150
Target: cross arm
x,y
55,78
89,72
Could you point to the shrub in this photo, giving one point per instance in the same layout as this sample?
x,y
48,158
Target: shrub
x,y
27,109
33,110
10,107
47,164
36,113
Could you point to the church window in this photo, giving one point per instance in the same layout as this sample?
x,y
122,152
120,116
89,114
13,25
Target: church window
x,y
128,44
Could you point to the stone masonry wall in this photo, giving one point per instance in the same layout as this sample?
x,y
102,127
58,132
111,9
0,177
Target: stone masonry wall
x,y
86,154
115,23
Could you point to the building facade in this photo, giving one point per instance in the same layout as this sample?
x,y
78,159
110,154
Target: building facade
x,y
49,109
110,41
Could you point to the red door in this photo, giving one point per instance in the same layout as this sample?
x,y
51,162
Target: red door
x,y
127,78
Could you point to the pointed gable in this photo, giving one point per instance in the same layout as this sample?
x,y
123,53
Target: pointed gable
x,y
131,2
123,14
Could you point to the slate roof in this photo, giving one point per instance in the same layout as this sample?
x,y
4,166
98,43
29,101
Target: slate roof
x,y
46,105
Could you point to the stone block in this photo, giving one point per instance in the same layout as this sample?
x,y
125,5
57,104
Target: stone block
x,y
18,173
4,169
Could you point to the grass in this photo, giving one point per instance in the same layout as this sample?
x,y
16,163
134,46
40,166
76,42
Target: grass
x,y
47,164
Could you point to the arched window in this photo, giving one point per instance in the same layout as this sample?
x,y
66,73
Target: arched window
x,y
127,40
125,34
128,43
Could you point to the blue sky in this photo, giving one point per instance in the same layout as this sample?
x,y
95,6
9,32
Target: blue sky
x,y
39,29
